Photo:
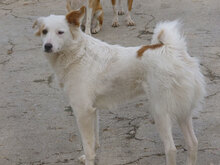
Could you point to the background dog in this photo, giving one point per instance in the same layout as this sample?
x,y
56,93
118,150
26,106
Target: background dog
x,y
94,14
96,75
120,11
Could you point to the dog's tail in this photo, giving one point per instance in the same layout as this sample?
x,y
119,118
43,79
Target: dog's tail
x,y
168,33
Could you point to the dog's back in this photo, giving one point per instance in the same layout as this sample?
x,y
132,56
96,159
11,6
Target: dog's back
x,y
173,75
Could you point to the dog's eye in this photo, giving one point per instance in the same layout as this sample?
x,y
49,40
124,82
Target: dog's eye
x,y
44,31
60,32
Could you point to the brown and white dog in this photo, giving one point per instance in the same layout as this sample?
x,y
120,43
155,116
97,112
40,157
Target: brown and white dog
x,y
94,13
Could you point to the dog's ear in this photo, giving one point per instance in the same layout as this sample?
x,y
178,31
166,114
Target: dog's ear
x,y
39,25
75,17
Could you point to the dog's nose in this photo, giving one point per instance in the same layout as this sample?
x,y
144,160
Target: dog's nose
x,y
48,47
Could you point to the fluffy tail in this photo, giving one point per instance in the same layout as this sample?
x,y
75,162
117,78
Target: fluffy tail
x,y
169,34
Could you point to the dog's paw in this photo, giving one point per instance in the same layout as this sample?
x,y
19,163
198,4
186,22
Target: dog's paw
x,y
82,159
88,31
115,24
121,12
96,29
130,22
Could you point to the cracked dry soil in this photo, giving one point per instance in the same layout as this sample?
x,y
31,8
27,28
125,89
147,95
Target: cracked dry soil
x,y
36,125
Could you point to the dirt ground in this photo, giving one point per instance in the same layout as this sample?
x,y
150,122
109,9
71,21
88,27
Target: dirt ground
x,y
38,128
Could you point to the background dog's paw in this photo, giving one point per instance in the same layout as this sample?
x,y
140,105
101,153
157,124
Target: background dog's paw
x,y
96,29
82,159
115,24
121,12
130,22
88,31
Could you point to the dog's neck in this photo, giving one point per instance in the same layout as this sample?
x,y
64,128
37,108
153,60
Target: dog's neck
x,y
73,50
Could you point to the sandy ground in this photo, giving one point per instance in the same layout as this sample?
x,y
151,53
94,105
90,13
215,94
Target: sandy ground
x,y
38,128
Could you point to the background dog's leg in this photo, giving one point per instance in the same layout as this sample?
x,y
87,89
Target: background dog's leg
x,y
88,17
190,140
97,144
115,19
164,127
129,21
97,21
86,124
120,11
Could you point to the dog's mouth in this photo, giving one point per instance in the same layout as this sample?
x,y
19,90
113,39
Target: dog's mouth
x,y
48,51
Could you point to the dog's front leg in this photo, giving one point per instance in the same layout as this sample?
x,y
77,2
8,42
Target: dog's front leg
x,y
88,17
86,124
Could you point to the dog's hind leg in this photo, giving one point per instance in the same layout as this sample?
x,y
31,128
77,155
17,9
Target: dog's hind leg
x,y
86,123
89,9
129,21
120,11
97,21
97,144
115,18
163,124
190,140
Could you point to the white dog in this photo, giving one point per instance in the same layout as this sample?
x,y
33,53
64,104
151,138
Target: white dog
x,y
96,75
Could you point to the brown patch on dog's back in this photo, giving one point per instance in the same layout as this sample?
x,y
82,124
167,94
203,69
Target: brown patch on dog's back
x,y
75,16
144,48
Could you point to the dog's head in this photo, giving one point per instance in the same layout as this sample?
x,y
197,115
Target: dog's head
x,y
57,31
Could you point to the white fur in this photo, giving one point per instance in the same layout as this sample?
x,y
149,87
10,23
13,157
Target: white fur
x,y
96,75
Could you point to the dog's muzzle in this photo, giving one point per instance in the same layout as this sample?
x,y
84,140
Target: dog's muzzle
x,y
48,47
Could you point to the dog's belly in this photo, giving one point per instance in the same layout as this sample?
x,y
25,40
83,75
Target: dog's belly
x,y
119,90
